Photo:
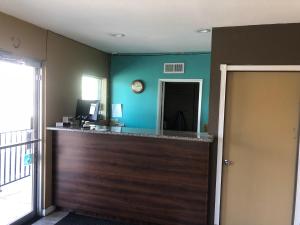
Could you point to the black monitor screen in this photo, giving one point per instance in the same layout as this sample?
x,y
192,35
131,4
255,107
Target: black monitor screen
x,y
87,109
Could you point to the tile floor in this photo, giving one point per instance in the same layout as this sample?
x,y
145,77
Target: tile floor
x,y
51,219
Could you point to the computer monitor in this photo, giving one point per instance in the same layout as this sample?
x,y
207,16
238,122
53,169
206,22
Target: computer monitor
x,y
87,110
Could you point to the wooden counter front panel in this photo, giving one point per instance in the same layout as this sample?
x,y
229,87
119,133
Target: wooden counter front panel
x,y
137,179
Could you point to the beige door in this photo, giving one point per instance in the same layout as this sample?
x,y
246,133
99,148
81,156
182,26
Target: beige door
x,y
261,139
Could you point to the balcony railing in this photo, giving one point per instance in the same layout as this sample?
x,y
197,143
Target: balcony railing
x,y
17,150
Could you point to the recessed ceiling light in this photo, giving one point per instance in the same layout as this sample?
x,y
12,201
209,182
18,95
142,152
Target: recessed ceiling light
x,y
203,30
117,35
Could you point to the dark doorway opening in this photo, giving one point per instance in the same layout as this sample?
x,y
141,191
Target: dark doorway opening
x,y
180,108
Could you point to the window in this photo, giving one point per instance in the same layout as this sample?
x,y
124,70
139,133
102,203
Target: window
x,y
91,88
94,88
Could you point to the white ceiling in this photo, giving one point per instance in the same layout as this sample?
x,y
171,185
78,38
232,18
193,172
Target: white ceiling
x,y
151,26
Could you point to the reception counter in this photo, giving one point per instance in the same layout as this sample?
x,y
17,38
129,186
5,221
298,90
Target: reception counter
x,y
140,132
138,176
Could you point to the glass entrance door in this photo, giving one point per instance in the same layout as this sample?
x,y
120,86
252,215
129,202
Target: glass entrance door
x,y
19,141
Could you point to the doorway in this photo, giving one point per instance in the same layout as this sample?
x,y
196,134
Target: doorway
x,y
258,146
179,104
19,141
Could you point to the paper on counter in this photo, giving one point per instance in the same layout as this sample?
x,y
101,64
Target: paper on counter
x,y
116,110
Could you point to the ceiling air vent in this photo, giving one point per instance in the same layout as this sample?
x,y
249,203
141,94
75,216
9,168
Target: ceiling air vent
x,y
173,67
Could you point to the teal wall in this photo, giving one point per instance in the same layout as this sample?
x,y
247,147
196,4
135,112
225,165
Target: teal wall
x,y
139,110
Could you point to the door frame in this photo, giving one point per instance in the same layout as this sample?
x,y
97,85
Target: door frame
x,y
218,190
38,163
161,100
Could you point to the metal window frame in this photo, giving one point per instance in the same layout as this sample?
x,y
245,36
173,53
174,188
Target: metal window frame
x,y
38,186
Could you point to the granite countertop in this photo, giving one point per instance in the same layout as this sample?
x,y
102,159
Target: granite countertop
x,y
141,132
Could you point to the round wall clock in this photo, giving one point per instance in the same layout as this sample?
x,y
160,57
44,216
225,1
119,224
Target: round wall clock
x,y
137,86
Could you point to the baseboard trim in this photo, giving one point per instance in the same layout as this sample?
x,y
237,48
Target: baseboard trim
x,y
50,209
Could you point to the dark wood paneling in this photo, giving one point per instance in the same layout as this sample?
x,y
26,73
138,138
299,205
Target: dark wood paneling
x,y
247,45
139,179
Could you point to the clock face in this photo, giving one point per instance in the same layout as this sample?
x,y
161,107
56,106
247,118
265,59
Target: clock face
x,y
137,86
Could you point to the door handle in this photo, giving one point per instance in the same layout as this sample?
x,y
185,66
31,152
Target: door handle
x,y
228,162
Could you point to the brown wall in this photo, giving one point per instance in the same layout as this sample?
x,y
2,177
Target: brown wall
x,y
32,38
250,45
67,61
